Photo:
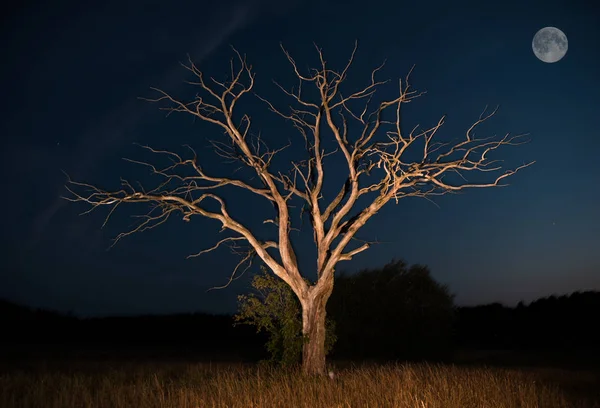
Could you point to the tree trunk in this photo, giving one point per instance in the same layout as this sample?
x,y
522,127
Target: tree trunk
x,y
313,329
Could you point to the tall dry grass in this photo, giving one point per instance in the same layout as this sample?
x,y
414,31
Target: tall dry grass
x,y
146,385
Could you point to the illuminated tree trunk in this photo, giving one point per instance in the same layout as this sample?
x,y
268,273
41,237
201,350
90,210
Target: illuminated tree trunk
x,y
313,330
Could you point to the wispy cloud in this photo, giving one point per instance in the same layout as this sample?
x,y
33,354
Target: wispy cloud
x,y
118,127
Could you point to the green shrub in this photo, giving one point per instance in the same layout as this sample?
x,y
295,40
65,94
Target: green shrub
x,y
275,309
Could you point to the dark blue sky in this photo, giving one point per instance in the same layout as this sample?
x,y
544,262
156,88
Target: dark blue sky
x,y
73,72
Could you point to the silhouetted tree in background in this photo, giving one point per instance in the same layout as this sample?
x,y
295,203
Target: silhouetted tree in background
x,y
394,312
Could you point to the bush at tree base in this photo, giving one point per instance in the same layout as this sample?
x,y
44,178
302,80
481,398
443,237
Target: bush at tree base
x,y
274,308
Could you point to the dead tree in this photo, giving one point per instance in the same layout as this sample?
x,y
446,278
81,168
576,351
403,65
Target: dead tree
x,y
379,146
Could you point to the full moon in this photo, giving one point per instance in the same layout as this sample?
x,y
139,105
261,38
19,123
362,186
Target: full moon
x,y
550,44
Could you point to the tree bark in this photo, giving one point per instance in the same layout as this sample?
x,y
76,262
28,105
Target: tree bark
x,y
313,330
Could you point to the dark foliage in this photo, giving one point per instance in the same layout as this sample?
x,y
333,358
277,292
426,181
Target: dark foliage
x,y
552,323
396,312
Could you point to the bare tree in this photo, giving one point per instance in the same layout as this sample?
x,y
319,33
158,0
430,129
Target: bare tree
x,y
406,164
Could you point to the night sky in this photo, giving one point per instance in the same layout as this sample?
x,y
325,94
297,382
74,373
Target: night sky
x,y
73,72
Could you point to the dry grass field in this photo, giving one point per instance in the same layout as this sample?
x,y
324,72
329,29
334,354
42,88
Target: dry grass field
x,y
107,384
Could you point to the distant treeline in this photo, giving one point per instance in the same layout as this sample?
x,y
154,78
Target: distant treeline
x,y
206,336
555,323
391,313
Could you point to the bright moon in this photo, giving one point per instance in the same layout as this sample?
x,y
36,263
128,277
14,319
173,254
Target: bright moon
x,y
550,44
